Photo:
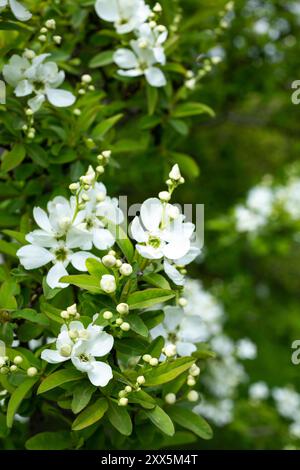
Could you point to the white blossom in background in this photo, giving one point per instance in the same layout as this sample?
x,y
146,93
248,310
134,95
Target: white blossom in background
x,y
127,15
259,391
82,346
67,232
35,76
139,61
161,233
257,210
287,402
246,349
18,10
220,412
289,198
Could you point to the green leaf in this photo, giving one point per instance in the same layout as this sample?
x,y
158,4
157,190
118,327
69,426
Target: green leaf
x,y
157,280
192,109
152,99
7,292
58,440
180,438
17,397
19,236
180,126
137,325
9,249
152,318
119,418
142,398
105,126
102,59
168,371
32,316
189,420
155,348
161,420
90,415
59,378
84,281
96,268
149,297
82,395
122,240
13,158
187,164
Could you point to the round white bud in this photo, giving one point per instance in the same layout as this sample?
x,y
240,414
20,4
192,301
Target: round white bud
x,y
2,361
112,253
66,350
106,153
153,361
170,398
122,393
13,368
164,196
31,135
175,173
126,269
74,186
86,78
170,350
107,315
147,357
125,326
123,401
109,261
72,310
42,38
118,263
119,321
29,54
64,314
29,112
57,39
152,24
100,169
122,309
191,381
18,360
50,24
81,91
182,302
194,370
77,112
193,396
140,380
44,30
108,283
128,389
32,371
157,8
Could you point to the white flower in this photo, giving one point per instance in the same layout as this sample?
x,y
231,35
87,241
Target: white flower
x,y
139,61
175,173
19,11
153,38
220,413
82,346
246,349
37,77
126,15
2,353
289,198
108,283
258,208
247,220
259,391
179,330
287,402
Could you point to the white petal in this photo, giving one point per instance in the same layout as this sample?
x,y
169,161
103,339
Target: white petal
x,y
177,248
130,73
36,102
77,238
155,77
193,252
41,238
149,252
151,214
78,260
190,329
2,348
19,11
60,98
101,345
173,274
173,318
100,374
42,219
32,257
103,239
53,357
137,232
107,10
56,272
185,348
125,59
24,88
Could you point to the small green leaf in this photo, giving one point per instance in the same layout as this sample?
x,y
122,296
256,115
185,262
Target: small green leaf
x,y
58,440
122,240
84,281
105,126
17,397
137,325
168,371
18,236
152,99
157,280
119,418
82,395
142,398
90,415
192,109
9,249
149,297
161,420
152,318
102,59
189,420
13,158
96,268
7,292
59,378
32,316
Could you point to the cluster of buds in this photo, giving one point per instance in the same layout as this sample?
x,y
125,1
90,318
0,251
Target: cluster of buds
x,y
174,180
123,325
206,64
194,371
226,15
46,32
176,18
7,366
29,128
152,361
85,84
103,160
111,261
122,310
70,314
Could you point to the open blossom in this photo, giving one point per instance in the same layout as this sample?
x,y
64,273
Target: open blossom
x,y
139,61
179,330
82,345
35,76
126,15
153,38
161,233
19,11
258,208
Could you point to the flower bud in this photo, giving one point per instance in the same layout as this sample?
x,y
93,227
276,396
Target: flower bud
x,y
73,334
147,357
18,360
157,8
125,326
123,401
64,314
107,315
66,350
86,78
13,368
72,310
29,54
44,30
81,91
128,389
122,393
42,38
100,169
74,186
32,371
194,370
175,173
119,321
152,24
140,380
191,381
193,396
57,39
50,24
77,112
126,269
4,370
122,309
109,261
91,88
153,361
170,350
182,302
2,361
164,196
29,112
170,398
118,263
106,153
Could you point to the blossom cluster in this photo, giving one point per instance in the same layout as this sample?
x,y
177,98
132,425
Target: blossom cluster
x,y
265,202
146,53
